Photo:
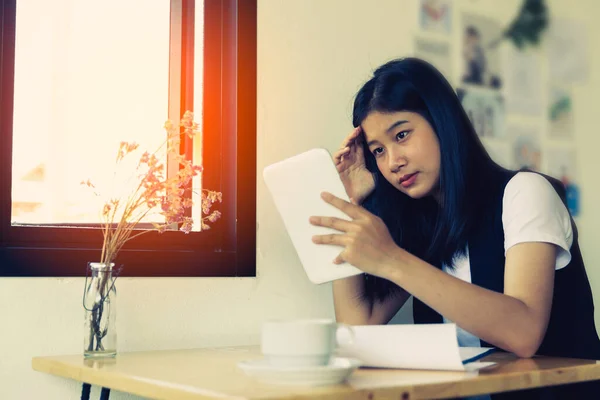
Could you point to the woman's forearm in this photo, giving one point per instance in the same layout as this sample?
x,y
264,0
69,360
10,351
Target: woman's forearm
x,y
354,308
349,302
499,319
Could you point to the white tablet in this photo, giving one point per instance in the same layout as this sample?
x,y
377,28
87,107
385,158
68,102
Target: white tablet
x,y
296,184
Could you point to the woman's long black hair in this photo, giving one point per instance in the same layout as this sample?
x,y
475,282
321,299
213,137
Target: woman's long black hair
x,y
434,232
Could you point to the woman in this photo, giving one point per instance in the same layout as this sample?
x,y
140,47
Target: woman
x,y
494,251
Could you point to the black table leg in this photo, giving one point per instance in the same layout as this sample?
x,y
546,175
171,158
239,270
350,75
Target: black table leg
x,y
105,393
85,391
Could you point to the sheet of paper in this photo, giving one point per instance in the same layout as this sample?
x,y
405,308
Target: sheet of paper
x,y
422,346
435,52
523,82
568,58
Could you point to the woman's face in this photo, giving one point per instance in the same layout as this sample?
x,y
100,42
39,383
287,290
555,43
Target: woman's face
x,y
407,151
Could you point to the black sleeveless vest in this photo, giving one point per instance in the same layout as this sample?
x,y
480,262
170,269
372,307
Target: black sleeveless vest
x,y
571,330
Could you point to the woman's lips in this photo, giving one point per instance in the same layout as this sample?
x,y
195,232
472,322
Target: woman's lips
x,y
409,180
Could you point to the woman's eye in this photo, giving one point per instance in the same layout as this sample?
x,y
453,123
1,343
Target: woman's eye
x,y
377,151
402,135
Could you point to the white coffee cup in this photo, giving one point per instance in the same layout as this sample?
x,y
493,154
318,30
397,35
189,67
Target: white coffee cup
x,y
301,342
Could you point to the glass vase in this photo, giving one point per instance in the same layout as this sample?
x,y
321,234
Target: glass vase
x,y
100,304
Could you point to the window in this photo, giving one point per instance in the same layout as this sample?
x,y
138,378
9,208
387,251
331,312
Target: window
x,y
176,55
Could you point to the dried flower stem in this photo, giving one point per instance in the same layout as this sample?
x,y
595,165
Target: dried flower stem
x,y
154,191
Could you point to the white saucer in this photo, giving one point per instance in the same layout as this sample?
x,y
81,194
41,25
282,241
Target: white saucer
x,y
338,369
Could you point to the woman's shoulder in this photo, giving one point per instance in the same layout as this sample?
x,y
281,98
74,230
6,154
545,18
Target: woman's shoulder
x,y
533,211
534,193
531,183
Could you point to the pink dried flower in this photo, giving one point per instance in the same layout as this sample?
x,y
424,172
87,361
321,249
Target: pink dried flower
x,y
160,227
87,183
157,193
214,216
145,158
186,226
187,122
206,207
132,146
126,148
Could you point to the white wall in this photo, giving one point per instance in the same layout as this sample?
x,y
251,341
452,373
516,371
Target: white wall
x,y
312,57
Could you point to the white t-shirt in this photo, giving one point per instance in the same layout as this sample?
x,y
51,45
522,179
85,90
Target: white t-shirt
x,y
532,211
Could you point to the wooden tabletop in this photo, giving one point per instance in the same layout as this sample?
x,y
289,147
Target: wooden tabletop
x,y
212,373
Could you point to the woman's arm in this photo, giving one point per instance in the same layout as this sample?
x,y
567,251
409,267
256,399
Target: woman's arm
x,y
352,307
515,321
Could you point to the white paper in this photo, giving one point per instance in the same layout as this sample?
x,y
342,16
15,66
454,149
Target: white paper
x,y
562,164
560,113
527,150
435,52
481,58
568,51
485,109
421,346
523,82
436,16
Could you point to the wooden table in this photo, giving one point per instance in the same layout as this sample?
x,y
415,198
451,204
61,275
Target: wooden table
x,y
212,373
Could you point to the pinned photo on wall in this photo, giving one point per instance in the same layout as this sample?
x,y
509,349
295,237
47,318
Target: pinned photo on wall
x,y
436,16
523,82
562,165
567,51
485,109
435,52
527,151
560,114
481,58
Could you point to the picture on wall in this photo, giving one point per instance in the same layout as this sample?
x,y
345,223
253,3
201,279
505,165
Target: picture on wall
x,y
436,15
480,55
527,151
435,52
560,113
568,57
523,82
562,165
485,109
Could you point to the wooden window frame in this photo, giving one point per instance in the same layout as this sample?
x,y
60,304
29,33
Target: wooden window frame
x,y
229,159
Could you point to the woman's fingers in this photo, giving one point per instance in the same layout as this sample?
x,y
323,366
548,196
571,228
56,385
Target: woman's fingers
x,y
340,153
345,148
331,222
339,259
351,137
352,210
334,239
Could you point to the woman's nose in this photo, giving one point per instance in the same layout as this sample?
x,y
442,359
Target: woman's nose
x,y
396,160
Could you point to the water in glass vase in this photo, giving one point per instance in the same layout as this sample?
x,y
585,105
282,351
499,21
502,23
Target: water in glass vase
x,y
100,301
